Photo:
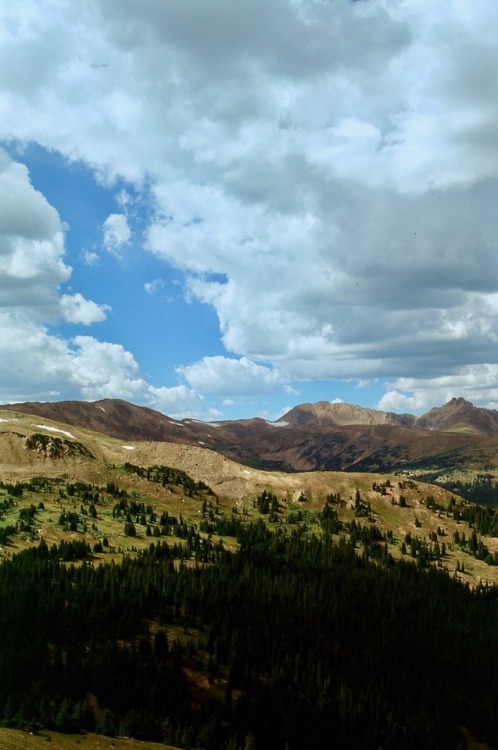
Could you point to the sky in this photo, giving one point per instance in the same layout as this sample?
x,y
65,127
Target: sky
x,y
222,209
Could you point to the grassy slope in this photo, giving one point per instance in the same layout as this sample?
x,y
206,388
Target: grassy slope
x,y
235,485
13,739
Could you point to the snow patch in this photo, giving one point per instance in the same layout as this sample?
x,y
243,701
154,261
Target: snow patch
x,y
277,424
128,447
100,407
201,442
246,471
8,420
53,429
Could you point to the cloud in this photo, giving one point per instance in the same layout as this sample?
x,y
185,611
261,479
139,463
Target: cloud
x,y
35,363
179,402
226,377
324,174
90,258
105,370
32,362
77,309
116,232
153,287
476,383
31,244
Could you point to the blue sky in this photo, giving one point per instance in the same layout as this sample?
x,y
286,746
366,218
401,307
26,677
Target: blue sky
x,y
222,210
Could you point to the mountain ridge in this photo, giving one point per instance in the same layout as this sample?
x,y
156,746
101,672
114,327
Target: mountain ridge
x,y
320,436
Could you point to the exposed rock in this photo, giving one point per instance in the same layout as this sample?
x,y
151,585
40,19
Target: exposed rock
x,y
55,448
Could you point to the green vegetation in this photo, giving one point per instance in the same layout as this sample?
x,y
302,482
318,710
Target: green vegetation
x,y
146,605
301,642
482,488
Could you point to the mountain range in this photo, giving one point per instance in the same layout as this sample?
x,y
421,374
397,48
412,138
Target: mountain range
x,y
310,437
151,501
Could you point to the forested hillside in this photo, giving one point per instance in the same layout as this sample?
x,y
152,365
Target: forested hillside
x,y
294,641
204,605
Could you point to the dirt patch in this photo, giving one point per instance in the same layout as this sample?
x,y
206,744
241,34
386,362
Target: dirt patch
x,y
14,739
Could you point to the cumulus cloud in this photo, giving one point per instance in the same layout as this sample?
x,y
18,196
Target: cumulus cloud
x,y
179,402
35,363
116,232
324,174
31,244
77,309
105,370
224,376
476,383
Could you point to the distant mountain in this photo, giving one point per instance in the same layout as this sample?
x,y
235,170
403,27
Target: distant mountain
x,y
326,414
459,415
333,436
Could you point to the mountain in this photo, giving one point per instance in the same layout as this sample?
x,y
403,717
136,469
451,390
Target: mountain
x,y
459,415
326,414
63,468
332,436
114,558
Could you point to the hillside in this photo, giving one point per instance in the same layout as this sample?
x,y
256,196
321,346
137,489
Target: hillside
x,y
326,414
172,594
51,458
12,739
459,415
311,437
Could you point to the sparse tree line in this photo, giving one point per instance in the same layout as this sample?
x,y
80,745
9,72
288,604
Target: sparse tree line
x,y
482,489
169,477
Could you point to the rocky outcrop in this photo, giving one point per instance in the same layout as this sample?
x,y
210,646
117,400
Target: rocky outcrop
x,y
55,448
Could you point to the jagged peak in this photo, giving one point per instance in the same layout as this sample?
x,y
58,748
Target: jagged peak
x,y
459,401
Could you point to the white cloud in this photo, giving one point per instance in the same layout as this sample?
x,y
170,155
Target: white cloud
x,y
90,258
77,309
105,370
32,363
35,364
476,383
332,164
31,244
224,376
153,287
116,232
179,402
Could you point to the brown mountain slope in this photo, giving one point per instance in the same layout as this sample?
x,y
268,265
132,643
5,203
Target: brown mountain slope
x,y
339,437
459,415
326,414
113,417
